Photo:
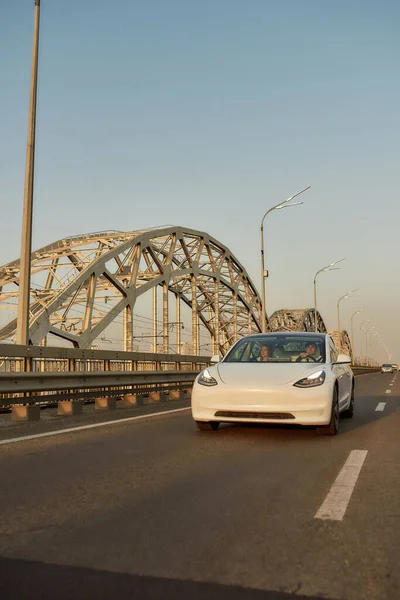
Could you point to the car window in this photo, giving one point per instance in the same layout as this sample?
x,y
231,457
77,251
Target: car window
x,y
333,349
278,348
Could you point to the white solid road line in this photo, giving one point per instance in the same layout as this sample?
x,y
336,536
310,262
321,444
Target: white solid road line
x,y
92,426
380,407
388,391
335,504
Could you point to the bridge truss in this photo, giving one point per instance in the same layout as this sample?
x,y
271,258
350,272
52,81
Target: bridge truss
x,y
81,284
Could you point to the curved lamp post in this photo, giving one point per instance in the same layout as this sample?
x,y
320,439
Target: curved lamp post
x,y
338,315
264,273
330,267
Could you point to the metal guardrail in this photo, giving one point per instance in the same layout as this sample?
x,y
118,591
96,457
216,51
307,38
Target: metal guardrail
x,y
43,374
78,384
364,370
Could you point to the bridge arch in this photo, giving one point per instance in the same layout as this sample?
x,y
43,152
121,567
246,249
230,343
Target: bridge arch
x,y
81,284
342,343
302,319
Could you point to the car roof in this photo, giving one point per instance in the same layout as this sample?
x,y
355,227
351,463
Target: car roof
x,y
286,333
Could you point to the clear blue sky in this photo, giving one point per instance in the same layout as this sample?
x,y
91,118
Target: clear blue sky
x,y
206,113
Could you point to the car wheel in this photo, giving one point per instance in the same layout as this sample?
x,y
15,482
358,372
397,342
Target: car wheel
x,y
333,426
207,425
349,412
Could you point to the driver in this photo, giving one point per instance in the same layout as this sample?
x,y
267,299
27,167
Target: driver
x,y
310,355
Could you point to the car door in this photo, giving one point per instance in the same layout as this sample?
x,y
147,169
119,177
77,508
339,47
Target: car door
x,y
342,376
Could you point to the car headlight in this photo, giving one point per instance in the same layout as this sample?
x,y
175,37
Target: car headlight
x,y
205,378
313,380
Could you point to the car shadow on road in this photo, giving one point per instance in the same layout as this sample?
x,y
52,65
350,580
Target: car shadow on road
x,y
24,579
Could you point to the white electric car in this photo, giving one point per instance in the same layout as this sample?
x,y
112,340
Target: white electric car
x,y
291,378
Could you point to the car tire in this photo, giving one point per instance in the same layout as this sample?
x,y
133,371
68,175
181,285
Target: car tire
x,y
207,425
349,412
333,426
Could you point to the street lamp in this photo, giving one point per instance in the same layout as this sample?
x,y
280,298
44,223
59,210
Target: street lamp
x,y
330,267
26,237
366,345
361,344
264,273
352,329
338,315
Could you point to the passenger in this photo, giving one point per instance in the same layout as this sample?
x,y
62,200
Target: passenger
x,y
310,355
265,353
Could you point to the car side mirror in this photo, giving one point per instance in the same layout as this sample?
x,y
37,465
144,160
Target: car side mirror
x,y
343,359
215,359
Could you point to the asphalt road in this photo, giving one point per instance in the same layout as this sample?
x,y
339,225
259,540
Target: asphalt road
x,y
153,508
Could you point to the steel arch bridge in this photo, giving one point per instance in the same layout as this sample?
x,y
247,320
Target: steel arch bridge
x,y
80,285
296,320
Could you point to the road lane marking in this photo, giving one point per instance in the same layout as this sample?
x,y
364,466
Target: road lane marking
x,y
335,504
380,407
91,426
388,391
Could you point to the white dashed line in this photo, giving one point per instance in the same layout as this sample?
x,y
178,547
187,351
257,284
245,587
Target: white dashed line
x,y
335,504
380,407
91,426
388,391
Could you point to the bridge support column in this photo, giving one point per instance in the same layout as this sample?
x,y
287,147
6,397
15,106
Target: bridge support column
x,y
28,412
66,407
127,319
165,318
195,326
105,403
178,321
155,311
235,336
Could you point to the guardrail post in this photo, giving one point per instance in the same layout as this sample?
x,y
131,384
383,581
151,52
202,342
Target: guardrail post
x,y
68,407
105,403
132,400
26,412
157,396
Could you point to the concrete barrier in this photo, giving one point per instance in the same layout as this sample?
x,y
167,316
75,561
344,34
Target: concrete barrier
x,y
29,412
176,394
156,397
130,400
105,403
66,407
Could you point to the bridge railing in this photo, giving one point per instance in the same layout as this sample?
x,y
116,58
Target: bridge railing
x,y
40,374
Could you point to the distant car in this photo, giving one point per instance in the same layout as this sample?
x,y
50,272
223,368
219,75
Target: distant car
x,y
387,368
290,378
395,367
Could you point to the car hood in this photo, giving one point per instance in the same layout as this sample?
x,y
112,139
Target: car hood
x,y
254,375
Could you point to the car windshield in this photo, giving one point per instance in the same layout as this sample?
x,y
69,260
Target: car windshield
x,y
388,366
278,348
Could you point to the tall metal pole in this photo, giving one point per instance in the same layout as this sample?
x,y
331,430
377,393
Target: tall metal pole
x,y
284,204
338,316
330,267
315,303
353,343
165,318
155,314
263,276
178,320
26,237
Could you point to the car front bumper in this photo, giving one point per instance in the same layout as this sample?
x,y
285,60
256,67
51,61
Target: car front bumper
x,y
310,406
